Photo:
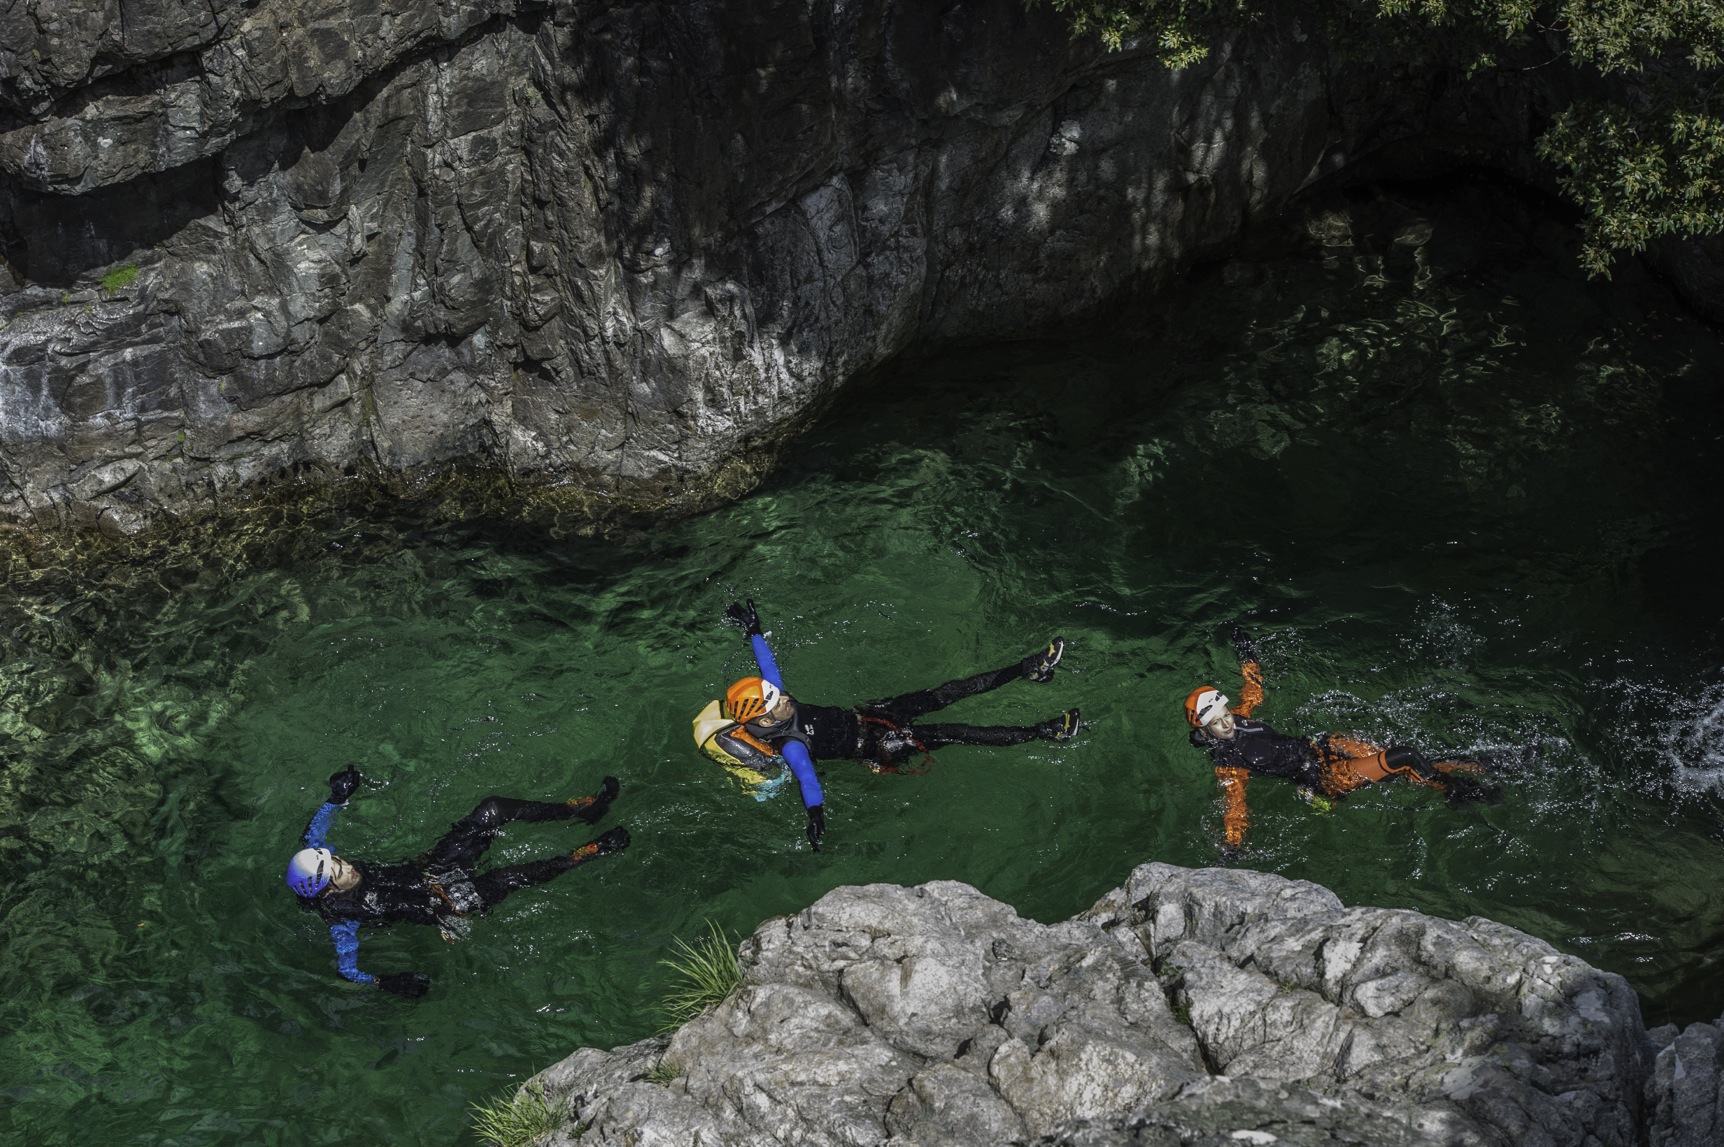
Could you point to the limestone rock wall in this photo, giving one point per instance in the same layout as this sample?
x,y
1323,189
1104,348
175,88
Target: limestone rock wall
x,y
1203,1006
615,246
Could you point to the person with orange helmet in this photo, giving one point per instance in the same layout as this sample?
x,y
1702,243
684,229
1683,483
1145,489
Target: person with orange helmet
x,y
760,727
1326,767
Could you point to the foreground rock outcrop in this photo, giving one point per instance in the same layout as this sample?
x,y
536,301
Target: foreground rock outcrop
x,y
1201,1006
621,247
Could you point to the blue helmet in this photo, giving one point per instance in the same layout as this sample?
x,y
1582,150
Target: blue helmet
x,y
309,871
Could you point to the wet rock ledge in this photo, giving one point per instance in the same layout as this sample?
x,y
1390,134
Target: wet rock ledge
x,y
1191,1006
617,247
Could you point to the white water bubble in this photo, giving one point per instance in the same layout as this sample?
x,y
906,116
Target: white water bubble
x,y
1695,750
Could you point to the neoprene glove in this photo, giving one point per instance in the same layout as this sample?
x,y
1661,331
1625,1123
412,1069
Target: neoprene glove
x,y
1244,645
343,785
407,985
745,616
816,825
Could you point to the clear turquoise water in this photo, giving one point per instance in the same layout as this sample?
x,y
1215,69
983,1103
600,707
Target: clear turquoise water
x,y
1465,498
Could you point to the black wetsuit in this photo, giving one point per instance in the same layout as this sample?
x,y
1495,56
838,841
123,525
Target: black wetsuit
x,y
883,734
440,886
1257,748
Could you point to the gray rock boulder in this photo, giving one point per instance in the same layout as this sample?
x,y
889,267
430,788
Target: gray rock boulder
x,y
1188,1007
616,249
1685,1094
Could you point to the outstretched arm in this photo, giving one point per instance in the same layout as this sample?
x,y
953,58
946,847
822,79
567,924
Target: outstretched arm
x,y
1252,695
1235,817
796,754
345,933
748,617
763,658
341,786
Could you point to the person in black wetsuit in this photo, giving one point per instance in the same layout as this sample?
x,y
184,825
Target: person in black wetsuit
x,y
439,887
760,727
1326,767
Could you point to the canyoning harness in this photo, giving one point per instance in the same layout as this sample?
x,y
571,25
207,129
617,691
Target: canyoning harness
x,y
460,899
895,740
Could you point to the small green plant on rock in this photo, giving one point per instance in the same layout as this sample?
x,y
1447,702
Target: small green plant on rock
x,y
520,1119
664,1071
119,278
708,972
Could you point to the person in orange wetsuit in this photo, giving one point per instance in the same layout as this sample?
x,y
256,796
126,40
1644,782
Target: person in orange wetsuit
x,y
1327,766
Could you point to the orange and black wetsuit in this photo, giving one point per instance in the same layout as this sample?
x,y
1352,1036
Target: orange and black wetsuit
x,y
1333,764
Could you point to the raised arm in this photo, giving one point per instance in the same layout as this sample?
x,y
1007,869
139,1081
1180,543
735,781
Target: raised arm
x,y
345,935
341,787
1235,816
796,755
1252,695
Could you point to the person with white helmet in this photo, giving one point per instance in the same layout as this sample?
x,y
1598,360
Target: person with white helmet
x,y
759,729
440,887
1326,767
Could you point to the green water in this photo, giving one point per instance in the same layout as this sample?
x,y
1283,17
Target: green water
x,y
1465,497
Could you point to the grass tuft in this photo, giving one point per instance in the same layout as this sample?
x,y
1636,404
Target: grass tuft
x,y
664,1071
520,1119
119,277
708,972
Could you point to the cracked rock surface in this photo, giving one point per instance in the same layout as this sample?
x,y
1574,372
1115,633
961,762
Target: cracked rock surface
x,y
621,248
1191,1006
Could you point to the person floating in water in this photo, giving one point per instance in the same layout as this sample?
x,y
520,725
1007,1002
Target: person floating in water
x,y
1326,767
439,887
760,728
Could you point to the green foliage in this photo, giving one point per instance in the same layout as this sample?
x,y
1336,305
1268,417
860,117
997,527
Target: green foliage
x,y
664,1071
118,278
520,1119
1649,167
707,971
1639,173
1177,26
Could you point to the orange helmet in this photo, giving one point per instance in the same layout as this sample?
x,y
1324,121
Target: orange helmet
x,y
1204,704
750,697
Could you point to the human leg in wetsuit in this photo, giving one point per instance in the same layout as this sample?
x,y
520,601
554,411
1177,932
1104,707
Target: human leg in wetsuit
x,y
1349,763
462,847
897,715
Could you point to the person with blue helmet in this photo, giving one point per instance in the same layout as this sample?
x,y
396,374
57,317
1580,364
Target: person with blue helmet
x,y
440,887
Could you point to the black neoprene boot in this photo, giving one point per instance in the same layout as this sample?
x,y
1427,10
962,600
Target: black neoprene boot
x,y
1039,667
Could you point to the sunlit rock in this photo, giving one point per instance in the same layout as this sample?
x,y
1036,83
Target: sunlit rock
x,y
1191,1006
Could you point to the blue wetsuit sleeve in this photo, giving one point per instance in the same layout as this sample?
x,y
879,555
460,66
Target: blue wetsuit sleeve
x,y
763,657
802,767
795,752
318,829
346,937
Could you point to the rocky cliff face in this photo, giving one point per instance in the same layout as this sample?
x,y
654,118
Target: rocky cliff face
x,y
1188,1007
612,246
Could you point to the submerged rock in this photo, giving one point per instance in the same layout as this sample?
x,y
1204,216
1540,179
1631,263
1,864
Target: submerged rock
x,y
1191,1006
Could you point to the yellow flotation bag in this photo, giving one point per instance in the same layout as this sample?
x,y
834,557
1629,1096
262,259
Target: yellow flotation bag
x,y
708,726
